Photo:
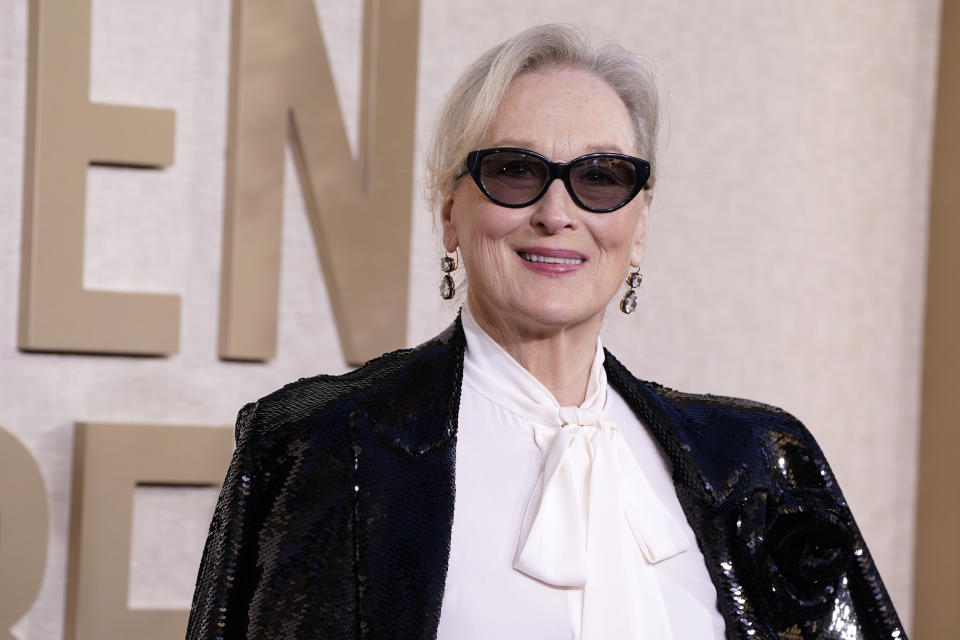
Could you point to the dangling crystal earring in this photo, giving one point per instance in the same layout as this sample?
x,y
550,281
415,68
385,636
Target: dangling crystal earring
x,y
447,286
628,304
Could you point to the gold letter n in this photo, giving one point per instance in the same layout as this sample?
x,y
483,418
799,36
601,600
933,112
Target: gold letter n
x,y
281,83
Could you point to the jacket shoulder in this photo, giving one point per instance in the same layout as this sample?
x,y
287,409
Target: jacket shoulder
x,y
711,414
299,401
730,435
386,391
729,440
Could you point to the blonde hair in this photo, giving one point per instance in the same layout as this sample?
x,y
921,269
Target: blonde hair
x,y
472,103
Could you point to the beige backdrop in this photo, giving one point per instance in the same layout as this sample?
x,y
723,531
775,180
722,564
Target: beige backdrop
x,y
786,258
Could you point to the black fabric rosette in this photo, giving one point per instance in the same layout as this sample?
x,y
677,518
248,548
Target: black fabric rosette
x,y
796,543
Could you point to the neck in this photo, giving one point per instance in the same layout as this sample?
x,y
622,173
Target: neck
x,y
560,358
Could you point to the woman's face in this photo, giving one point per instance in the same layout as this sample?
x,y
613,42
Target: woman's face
x,y
562,114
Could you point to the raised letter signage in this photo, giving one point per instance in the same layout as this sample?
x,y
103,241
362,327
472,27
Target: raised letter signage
x,y
109,461
23,531
282,89
65,133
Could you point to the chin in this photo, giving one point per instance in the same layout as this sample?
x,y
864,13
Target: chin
x,y
560,313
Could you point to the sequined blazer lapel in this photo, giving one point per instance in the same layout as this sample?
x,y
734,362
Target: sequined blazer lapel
x,y
335,517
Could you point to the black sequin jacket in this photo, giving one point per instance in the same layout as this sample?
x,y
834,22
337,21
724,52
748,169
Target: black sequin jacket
x,y
335,516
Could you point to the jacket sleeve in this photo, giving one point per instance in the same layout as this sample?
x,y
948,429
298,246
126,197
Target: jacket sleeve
x,y
862,584
227,575
278,561
800,548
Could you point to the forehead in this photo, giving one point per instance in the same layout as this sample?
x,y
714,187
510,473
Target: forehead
x,y
562,113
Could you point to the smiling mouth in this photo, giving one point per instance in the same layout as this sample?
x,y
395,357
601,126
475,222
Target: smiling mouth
x,y
533,257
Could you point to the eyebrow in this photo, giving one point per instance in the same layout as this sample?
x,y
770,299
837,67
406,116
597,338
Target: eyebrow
x,y
527,144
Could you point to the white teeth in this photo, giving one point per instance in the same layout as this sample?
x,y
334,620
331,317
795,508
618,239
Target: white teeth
x,y
532,257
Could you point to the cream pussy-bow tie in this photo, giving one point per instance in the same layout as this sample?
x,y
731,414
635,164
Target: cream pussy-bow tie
x,y
592,508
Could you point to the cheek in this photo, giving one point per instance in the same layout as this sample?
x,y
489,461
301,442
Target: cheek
x,y
485,232
615,237
486,255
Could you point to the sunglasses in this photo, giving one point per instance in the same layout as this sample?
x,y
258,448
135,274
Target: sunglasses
x,y
597,182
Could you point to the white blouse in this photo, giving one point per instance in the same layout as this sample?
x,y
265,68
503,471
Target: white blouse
x,y
566,521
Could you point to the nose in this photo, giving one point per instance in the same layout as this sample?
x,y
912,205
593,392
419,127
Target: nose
x,y
555,211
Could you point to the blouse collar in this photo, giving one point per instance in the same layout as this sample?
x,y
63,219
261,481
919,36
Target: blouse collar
x,y
488,368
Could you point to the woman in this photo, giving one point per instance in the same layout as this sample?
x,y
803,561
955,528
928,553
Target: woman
x,y
510,478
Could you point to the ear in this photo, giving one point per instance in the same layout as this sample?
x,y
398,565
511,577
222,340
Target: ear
x,y
448,230
640,231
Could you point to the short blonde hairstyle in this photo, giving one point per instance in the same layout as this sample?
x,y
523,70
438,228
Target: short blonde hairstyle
x,y
472,103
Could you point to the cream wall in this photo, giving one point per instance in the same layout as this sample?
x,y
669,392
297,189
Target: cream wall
x,y
785,263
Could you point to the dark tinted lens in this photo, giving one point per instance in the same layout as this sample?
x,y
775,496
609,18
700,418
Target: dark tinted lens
x,y
513,177
603,182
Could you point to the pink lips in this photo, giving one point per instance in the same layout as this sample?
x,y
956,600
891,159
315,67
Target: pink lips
x,y
551,261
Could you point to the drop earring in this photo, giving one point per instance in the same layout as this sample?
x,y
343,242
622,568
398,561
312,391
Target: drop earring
x,y
448,265
628,303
